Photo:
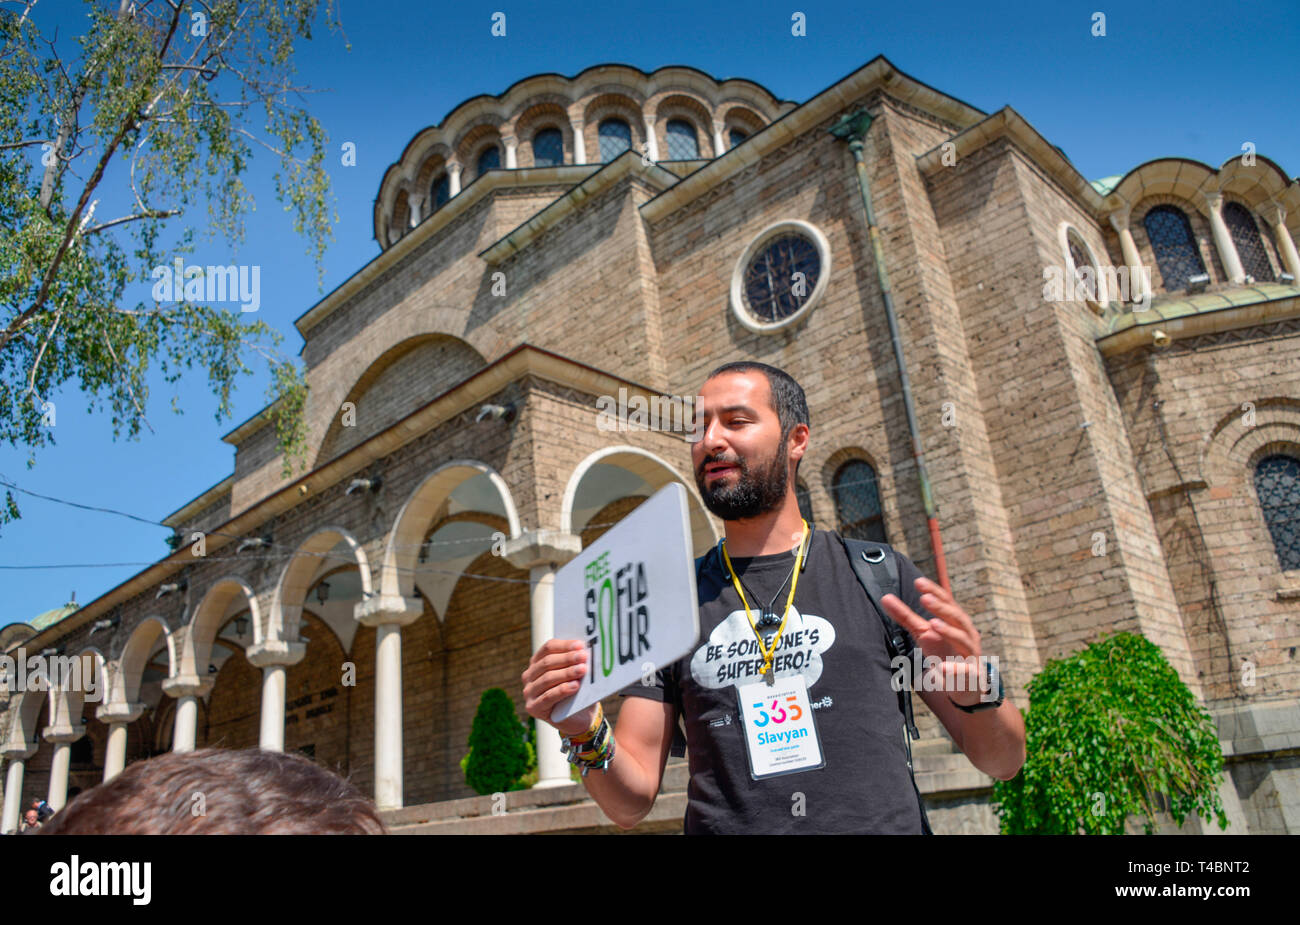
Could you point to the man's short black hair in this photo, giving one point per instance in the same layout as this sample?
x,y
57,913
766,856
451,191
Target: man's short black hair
x,y
788,399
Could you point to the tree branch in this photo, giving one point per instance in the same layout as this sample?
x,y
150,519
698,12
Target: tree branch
x,y
73,219
150,213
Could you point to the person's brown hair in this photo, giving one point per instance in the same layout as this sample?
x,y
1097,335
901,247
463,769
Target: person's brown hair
x,y
218,791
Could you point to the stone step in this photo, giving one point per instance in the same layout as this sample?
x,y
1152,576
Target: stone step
x,y
569,809
584,818
674,781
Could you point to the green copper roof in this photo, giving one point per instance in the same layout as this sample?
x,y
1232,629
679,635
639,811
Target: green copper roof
x,y
51,617
1106,184
1170,309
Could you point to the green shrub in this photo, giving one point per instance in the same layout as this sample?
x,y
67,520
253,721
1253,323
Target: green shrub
x,y
499,750
1111,731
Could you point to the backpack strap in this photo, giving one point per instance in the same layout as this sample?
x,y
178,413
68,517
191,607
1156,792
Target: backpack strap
x,y
877,571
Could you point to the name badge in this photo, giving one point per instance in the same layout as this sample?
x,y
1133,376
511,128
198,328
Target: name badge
x,y
780,734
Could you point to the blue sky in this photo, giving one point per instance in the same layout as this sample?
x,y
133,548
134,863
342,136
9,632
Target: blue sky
x,y
1184,78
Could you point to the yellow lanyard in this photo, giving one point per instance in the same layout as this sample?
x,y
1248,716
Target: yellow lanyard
x,y
768,653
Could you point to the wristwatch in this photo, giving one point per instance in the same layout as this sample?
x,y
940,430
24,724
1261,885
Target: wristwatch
x,y
993,674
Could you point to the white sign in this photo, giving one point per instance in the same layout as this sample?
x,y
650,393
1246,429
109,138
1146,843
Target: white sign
x,y
630,596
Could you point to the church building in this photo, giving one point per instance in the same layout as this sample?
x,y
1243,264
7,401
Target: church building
x,y
1077,398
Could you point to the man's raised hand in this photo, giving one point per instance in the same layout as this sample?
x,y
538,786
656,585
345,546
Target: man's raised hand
x,y
555,672
951,633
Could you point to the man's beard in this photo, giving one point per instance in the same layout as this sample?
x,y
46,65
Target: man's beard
x,y
752,493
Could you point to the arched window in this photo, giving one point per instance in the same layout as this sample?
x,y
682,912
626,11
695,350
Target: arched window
x,y
441,192
548,148
857,502
736,136
491,157
1083,267
683,145
1171,239
615,138
804,497
1250,246
1277,484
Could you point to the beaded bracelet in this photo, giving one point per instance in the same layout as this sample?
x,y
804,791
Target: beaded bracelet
x,y
597,753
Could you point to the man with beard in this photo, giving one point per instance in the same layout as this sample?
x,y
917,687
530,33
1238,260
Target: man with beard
x,y
791,723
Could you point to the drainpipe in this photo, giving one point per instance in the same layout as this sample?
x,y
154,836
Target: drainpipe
x,y
853,129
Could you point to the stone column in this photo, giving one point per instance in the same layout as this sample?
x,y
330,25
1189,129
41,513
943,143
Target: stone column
x,y
579,143
388,614
540,553
512,145
719,143
1275,215
453,178
1137,277
273,656
651,141
187,691
117,716
17,755
1223,239
62,737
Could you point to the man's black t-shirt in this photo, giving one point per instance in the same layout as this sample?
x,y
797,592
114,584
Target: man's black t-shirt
x,y
864,787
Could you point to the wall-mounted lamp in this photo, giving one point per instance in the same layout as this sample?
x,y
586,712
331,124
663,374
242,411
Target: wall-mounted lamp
x,y
323,592
110,623
169,589
253,542
1160,338
372,485
212,669
424,551
496,412
241,625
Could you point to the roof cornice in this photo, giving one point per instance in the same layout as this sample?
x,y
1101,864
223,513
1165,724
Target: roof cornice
x,y
179,517
458,205
1208,313
603,179
1007,123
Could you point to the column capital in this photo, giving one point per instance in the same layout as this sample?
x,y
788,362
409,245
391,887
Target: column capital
x,y
18,752
120,712
275,652
1119,219
388,608
453,167
187,686
62,734
1214,200
1273,213
541,547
